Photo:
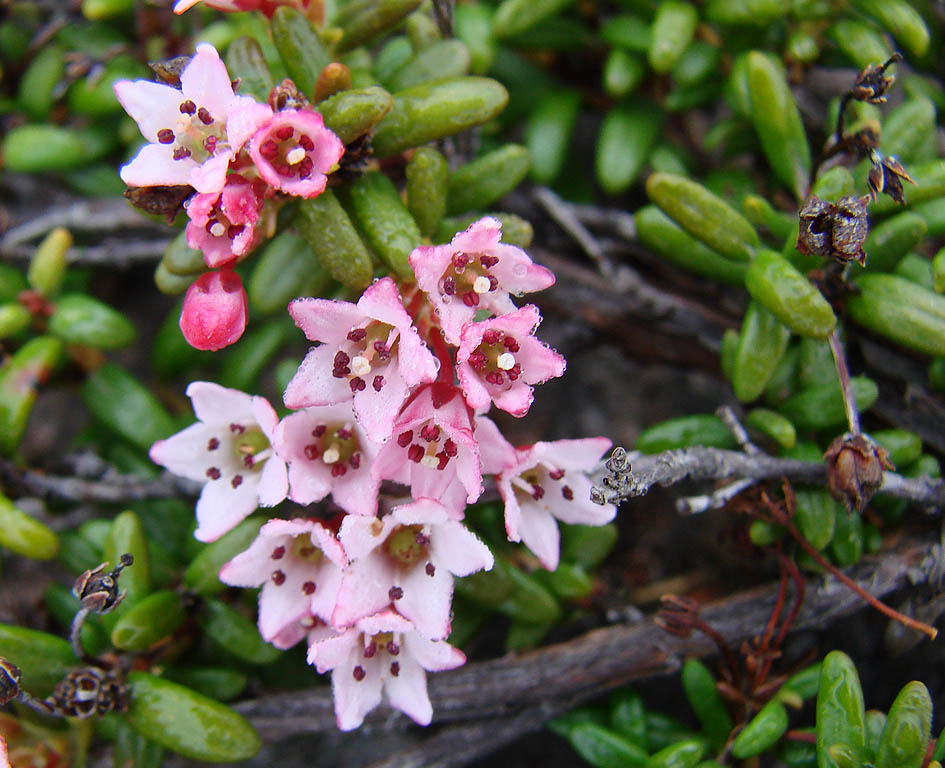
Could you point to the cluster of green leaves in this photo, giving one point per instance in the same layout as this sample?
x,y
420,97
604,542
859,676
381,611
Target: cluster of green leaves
x,y
844,735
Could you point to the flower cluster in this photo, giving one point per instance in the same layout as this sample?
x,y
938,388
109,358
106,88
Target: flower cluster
x,y
241,158
397,390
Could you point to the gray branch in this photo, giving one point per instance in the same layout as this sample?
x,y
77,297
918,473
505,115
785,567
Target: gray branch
x,y
704,463
486,705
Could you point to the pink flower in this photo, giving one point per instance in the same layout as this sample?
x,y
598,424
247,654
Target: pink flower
x,y
382,655
298,563
407,558
223,226
193,132
215,310
432,447
549,482
229,449
294,151
370,353
499,359
4,761
328,452
475,272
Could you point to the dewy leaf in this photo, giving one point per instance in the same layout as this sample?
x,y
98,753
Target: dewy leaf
x,y
187,722
778,123
775,283
80,319
908,729
334,240
427,183
704,215
155,617
841,716
125,405
23,534
21,376
438,109
483,181
300,48
352,113
43,659
761,344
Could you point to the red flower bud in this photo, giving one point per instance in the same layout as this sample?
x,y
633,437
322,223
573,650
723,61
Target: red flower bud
x,y
215,310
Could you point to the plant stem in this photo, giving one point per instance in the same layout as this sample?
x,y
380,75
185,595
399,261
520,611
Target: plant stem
x,y
843,373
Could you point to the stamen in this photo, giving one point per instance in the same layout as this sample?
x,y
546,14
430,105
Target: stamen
x,y
187,107
306,142
180,153
430,569
278,553
213,444
284,132
213,473
359,673
166,136
308,587
278,578
204,116
237,481
567,493
395,593
395,668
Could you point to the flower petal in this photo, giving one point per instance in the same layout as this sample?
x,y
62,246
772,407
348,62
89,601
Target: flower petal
x,y
153,106
206,82
457,548
218,405
407,691
540,534
155,166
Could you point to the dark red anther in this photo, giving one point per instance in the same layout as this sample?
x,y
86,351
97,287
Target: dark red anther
x,y
341,359
248,461
395,668
358,673
306,142
415,453
370,650
491,337
449,447
278,553
319,430
567,493
537,492
356,334
278,578
487,261
237,481
166,136
443,462
213,444
395,593
430,432
237,428
430,569
477,360
305,167
213,473
556,474
378,383
460,260
344,433
204,116
210,144
449,285
284,132
338,470
510,344
355,461
393,648
269,149
311,451
187,107
405,438
471,299
357,384
308,587
180,153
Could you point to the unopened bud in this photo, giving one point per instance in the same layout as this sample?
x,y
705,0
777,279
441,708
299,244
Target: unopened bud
x,y
872,83
855,467
886,175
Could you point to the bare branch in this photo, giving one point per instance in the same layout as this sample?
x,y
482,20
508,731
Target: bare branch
x,y
703,463
524,690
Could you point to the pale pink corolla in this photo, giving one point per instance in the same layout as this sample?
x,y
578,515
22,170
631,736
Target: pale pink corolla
x,y
475,272
223,226
4,761
267,7
407,559
382,655
215,311
294,152
432,448
549,482
370,353
308,626
499,359
328,452
230,450
194,132
298,563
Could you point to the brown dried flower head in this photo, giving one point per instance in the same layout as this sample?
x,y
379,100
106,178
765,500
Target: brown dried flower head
x,y
873,82
886,175
855,465
98,590
836,230
9,681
